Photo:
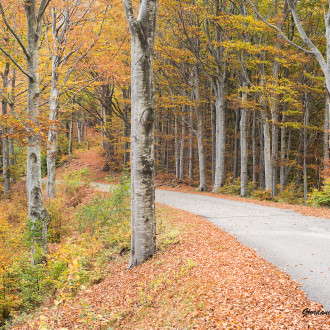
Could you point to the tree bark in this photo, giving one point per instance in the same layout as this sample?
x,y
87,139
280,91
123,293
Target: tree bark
x,y
200,133
143,241
306,120
219,177
244,139
326,136
5,138
38,215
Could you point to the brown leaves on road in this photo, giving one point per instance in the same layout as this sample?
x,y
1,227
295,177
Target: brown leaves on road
x,y
205,280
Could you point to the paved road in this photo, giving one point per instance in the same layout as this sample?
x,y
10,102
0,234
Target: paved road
x,y
297,244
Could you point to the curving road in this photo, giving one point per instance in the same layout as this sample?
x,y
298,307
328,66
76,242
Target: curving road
x,y
297,244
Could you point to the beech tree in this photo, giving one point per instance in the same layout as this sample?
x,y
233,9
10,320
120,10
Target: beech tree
x,y
142,28
38,215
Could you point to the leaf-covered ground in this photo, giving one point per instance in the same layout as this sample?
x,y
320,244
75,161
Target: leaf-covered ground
x,y
202,279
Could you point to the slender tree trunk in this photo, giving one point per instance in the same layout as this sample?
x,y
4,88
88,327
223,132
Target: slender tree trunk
x,y
182,143
176,147
244,139
219,178
5,138
261,159
200,133
306,120
11,130
282,153
80,127
71,135
326,136
236,161
191,146
254,153
213,132
52,132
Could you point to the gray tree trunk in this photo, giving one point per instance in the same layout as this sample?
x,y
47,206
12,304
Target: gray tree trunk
x,y
12,110
38,215
244,140
254,152
191,146
200,133
326,135
71,135
182,143
213,130
5,138
282,154
52,133
237,120
176,147
306,120
143,241
220,134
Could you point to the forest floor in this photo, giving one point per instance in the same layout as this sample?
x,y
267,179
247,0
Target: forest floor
x,y
203,278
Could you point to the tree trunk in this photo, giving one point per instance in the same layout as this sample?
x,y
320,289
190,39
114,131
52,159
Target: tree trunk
x,y
306,119
176,147
191,146
200,133
182,143
52,132
5,138
326,137
80,127
213,130
38,215
254,153
261,159
244,139
143,241
219,177
11,131
71,135
236,161
282,154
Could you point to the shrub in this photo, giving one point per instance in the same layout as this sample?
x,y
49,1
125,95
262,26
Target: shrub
x,y
322,197
290,195
262,195
110,212
235,187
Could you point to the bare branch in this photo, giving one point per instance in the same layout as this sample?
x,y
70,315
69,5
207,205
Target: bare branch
x,y
279,30
12,31
17,65
305,39
43,5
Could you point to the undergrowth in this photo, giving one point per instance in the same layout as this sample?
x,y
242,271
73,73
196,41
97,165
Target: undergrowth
x,y
290,194
84,237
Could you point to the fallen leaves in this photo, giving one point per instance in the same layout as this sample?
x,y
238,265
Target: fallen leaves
x,y
207,280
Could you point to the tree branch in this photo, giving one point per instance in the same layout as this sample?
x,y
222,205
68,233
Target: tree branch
x,y
305,39
279,30
18,39
43,5
16,64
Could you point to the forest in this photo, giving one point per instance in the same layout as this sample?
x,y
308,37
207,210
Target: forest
x,y
221,96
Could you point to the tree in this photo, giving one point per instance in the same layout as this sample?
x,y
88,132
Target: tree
x,y
142,28
38,215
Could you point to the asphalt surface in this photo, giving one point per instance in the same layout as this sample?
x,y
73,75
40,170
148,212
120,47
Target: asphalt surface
x,y
298,245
